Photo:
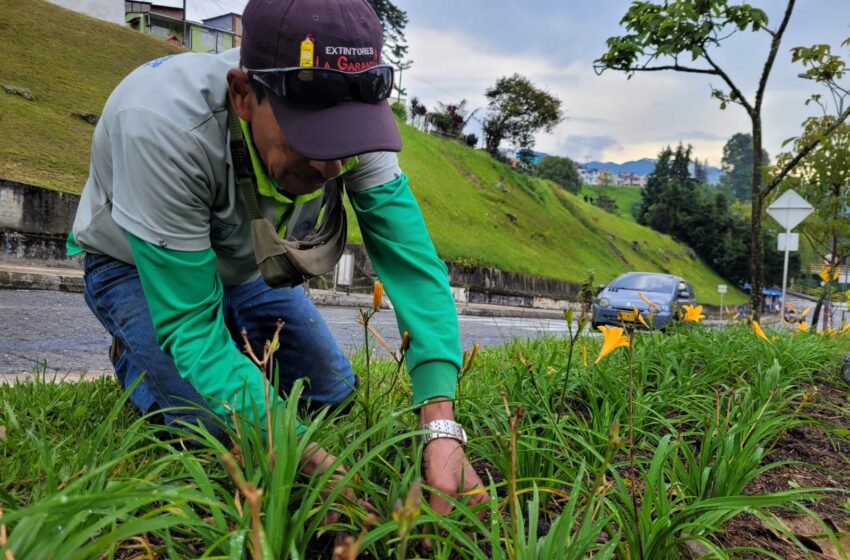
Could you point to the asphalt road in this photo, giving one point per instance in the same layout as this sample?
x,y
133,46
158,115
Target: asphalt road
x,y
57,328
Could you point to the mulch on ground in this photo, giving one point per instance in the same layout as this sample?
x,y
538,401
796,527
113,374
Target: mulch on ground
x,y
818,456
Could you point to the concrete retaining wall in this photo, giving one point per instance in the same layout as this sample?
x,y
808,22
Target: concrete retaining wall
x,y
35,222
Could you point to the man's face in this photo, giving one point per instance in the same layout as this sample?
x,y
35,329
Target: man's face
x,y
295,173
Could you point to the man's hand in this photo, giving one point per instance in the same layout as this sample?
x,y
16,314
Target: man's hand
x,y
446,467
315,462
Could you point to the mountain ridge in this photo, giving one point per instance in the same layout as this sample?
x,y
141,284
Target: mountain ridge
x,y
644,167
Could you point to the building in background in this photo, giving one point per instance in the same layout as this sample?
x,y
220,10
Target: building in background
x,y
588,176
631,179
164,19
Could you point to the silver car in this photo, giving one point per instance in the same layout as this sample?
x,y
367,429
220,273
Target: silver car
x,y
615,304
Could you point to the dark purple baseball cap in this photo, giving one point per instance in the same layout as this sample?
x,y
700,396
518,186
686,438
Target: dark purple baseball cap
x,y
339,34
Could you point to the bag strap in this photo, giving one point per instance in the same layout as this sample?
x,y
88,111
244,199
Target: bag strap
x,y
243,172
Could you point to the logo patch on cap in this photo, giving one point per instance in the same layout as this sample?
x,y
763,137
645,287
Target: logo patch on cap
x,y
306,58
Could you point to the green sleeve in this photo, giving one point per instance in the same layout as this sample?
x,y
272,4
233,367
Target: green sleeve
x,y
184,293
416,281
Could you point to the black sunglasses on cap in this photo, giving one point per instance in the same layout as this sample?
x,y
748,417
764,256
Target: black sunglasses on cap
x,y
325,87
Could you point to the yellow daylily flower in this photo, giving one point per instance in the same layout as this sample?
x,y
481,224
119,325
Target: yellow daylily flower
x,y
693,313
758,331
802,326
733,314
614,338
804,313
639,317
824,273
649,303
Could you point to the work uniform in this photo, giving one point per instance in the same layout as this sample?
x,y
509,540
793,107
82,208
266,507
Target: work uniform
x,y
170,269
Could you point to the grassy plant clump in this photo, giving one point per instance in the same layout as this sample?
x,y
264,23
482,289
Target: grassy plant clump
x,y
650,450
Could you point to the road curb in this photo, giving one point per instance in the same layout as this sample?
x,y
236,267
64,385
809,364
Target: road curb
x,y
26,277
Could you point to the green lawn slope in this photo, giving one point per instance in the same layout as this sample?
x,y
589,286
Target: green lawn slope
x,y
556,234
625,197
70,63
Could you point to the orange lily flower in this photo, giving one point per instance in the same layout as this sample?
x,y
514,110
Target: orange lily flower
x,y
802,326
377,294
614,338
758,331
693,313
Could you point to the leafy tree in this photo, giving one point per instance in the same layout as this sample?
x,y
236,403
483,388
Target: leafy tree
x,y
660,35
418,111
737,166
516,111
451,119
393,21
823,178
699,171
606,203
676,203
399,110
666,200
561,171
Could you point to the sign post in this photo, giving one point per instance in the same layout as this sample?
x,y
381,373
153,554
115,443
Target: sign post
x,y
789,210
721,289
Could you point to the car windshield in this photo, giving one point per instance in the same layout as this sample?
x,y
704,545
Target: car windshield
x,y
644,283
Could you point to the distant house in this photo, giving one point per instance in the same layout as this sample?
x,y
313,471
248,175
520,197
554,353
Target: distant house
x,y
164,19
605,177
588,176
228,22
631,179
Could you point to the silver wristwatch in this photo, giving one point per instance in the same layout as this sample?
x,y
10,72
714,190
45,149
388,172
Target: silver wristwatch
x,y
444,429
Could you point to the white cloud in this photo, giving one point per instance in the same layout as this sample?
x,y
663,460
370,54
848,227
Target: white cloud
x,y
637,116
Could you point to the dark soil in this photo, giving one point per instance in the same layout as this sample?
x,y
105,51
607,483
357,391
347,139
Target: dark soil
x,y
818,453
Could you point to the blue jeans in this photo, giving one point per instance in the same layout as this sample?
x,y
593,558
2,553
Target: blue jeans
x,y
307,349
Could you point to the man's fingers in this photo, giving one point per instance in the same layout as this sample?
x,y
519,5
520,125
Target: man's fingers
x,y
474,488
367,505
439,504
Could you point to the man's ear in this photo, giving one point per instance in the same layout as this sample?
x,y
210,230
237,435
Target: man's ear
x,y
243,99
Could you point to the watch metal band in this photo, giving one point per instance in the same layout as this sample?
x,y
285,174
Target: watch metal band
x,y
444,429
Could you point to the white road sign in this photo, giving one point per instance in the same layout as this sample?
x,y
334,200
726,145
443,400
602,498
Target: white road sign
x,y
721,288
793,241
789,209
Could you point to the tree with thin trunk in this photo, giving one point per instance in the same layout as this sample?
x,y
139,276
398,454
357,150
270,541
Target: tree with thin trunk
x,y
823,178
683,36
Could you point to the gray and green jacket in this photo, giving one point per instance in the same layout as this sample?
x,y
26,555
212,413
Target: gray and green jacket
x,y
161,196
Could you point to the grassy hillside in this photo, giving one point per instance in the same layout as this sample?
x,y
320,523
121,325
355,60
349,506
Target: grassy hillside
x,y
72,67
556,234
70,63
625,197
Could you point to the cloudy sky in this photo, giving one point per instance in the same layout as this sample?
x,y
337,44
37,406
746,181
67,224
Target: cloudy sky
x,y
461,47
